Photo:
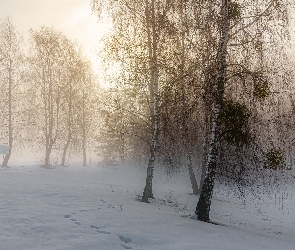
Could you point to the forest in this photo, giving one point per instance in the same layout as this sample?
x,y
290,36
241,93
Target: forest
x,y
205,87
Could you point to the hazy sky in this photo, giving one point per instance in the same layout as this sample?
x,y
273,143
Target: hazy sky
x,y
72,17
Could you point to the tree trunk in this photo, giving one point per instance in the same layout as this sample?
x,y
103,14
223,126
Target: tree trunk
x,y
204,203
10,139
65,151
84,154
154,96
203,206
84,131
148,190
195,187
69,137
49,117
185,132
48,108
48,152
208,106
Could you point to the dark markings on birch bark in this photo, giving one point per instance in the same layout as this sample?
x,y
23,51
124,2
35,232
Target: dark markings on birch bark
x,y
204,203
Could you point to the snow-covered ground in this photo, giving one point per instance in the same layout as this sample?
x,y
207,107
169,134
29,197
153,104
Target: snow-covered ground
x,y
96,207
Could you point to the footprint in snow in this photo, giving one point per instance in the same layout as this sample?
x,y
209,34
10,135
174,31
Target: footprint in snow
x,y
103,232
185,216
97,229
67,216
126,247
125,239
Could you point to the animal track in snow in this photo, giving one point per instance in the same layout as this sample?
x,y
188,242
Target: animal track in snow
x,y
95,227
126,247
99,229
125,239
67,216
103,232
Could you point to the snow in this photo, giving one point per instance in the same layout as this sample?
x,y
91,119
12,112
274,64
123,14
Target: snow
x,y
97,207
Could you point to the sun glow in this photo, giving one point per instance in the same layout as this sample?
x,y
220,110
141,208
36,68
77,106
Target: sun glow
x,y
73,18
84,26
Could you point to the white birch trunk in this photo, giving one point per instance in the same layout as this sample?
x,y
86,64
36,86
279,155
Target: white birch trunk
x,y
154,95
204,203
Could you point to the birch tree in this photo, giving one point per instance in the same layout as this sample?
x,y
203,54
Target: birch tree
x,y
69,89
86,105
233,27
11,61
47,75
145,20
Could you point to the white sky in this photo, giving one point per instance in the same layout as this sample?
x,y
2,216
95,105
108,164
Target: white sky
x,y
72,17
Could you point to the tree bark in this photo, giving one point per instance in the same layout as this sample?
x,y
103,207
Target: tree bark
x,y
48,147
10,138
194,183
84,130
154,95
204,203
69,124
49,113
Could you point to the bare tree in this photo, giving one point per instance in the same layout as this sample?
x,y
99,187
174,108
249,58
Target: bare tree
x,y
48,74
11,60
69,89
87,104
144,17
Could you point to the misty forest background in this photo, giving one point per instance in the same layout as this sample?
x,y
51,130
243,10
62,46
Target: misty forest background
x,y
205,86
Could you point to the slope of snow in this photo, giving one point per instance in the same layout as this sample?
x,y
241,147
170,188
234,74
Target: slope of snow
x,y
97,208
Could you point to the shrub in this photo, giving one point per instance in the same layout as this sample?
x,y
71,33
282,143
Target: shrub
x,y
274,159
234,120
